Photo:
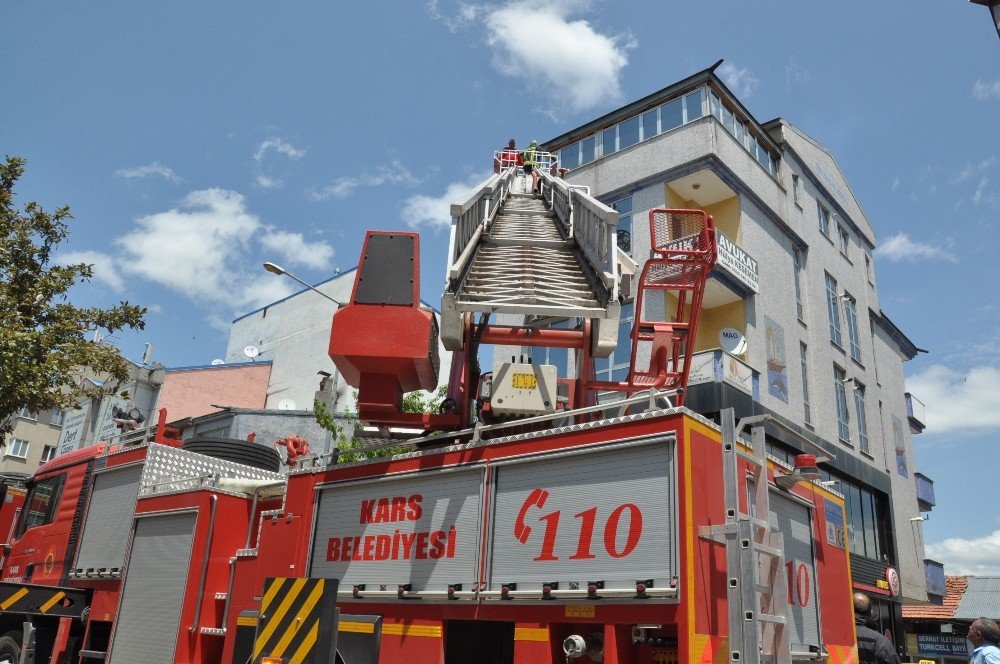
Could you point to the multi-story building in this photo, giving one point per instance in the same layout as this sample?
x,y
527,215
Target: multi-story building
x,y
791,322
33,442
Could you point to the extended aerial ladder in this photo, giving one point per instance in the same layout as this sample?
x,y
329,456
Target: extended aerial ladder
x,y
538,260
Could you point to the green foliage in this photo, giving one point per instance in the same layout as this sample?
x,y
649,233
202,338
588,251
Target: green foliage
x,y
43,345
350,447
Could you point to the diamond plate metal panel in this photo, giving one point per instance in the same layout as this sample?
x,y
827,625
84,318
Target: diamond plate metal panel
x,y
172,469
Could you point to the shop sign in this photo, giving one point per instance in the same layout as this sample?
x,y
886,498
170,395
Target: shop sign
x,y
737,262
941,645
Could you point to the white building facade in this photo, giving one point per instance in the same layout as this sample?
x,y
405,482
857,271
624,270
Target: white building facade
x,y
795,286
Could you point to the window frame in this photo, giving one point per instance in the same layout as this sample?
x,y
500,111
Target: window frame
x,y
864,445
50,509
844,242
798,268
833,309
9,451
851,316
26,414
843,412
806,403
824,219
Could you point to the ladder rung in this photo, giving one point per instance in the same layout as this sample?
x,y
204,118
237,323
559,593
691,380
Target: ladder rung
x,y
754,521
767,617
768,550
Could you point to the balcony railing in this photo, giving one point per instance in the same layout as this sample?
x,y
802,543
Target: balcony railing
x,y
718,366
925,492
915,413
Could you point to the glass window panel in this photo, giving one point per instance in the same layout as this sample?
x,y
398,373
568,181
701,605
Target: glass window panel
x,y
649,124
797,274
693,105
843,429
859,408
868,505
628,133
763,157
716,105
587,146
851,314
804,359
608,141
729,121
855,518
37,510
741,132
671,114
833,309
569,157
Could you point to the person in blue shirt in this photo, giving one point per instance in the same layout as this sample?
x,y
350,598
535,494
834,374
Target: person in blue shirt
x,y
984,636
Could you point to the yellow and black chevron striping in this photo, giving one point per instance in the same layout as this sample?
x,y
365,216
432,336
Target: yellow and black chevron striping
x,y
298,621
31,599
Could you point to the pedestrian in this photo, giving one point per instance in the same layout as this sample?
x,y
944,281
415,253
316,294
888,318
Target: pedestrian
x,y
873,646
984,635
529,157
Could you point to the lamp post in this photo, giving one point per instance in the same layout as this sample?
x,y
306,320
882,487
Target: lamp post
x,y
994,7
274,268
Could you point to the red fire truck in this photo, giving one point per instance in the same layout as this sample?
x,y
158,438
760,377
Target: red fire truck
x,y
532,519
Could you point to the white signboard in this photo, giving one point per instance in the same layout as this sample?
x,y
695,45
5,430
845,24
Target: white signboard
x,y
421,530
71,435
595,515
737,262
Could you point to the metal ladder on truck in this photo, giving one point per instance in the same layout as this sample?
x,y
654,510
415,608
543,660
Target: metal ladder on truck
x,y
755,559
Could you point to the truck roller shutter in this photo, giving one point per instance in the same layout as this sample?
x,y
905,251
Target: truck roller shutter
x,y
150,611
794,521
109,519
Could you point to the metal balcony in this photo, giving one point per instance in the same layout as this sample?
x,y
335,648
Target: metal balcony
x,y
925,492
915,413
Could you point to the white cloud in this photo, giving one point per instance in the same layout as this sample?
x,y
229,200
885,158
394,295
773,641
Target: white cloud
x,y
978,556
293,249
900,247
566,60
795,74
895,184
984,90
741,80
463,15
267,182
279,146
971,169
435,212
105,270
977,197
155,308
394,173
156,168
957,402
196,249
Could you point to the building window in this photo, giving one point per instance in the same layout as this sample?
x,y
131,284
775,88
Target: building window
x,y
624,230
845,242
616,366
27,414
824,219
851,314
840,389
797,269
649,124
56,418
672,114
692,106
864,512
859,412
833,308
569,157
795,189
588,150
558,357
608,141
628,133
18,448
804,362
48,453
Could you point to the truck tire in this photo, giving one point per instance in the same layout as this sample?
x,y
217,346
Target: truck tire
x,y
237,451
10,647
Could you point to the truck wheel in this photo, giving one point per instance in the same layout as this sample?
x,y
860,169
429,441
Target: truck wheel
x,y
237,451
10,647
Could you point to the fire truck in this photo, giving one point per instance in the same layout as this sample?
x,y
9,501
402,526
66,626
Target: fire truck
x,y
535,518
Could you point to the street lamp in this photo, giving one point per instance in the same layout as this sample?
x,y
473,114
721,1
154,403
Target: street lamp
x,y
994,7
274,268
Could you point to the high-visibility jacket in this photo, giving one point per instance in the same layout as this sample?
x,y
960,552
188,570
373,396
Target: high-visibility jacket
x,y
529,155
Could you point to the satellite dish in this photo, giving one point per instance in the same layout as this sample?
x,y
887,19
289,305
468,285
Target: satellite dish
x,y
733,341
286,404
251,351
216,362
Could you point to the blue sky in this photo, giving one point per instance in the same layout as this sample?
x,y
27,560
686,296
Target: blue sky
x,y
193,141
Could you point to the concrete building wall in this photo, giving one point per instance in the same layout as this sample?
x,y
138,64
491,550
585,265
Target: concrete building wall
x,y
39,431
294,335
193,391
